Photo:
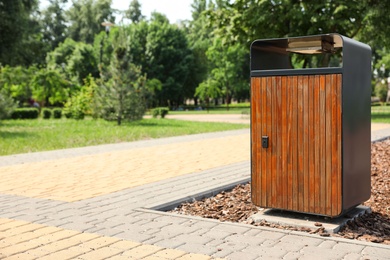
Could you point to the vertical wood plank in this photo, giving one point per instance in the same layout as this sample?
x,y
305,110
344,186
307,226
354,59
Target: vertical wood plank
x,y
317,177
256,137
278,137
322,146
254,132
294,144
289,174
282,177
263,98
306,139
269,170
339,136
311,142
275,174
328,142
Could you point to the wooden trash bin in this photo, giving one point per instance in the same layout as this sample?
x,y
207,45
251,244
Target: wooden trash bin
x,y
310,124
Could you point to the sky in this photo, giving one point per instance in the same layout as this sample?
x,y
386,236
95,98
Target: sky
x,y
174,9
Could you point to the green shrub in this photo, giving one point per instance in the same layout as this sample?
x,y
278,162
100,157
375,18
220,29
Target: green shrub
x,y
160,111
46,113
25,113
57,113
155,112
381,91
163,111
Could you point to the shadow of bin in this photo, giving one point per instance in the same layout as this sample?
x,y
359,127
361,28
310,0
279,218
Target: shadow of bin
x,y
310,123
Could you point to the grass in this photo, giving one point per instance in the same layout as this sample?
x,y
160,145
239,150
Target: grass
x,y
380,114
24,136
212,112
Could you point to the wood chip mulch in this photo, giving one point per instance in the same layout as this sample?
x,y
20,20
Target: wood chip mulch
x,y
236,205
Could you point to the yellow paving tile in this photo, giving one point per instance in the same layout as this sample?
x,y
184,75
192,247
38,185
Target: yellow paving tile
x,y
169,254
194,256
60,243
142,251
83,177
101,253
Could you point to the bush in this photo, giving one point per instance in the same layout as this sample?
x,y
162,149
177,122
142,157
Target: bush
x,y
25,113
160,111
7,105
57,113
381,91
46,113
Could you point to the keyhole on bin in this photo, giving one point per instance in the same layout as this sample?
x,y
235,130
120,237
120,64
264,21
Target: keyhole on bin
x,y
264,141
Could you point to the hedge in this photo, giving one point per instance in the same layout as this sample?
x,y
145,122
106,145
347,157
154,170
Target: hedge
x,y
25,113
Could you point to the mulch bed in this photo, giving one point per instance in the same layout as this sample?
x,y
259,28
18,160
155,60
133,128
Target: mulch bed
x,y
236,205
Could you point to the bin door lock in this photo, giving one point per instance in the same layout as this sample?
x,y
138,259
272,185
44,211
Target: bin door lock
x,y
264,141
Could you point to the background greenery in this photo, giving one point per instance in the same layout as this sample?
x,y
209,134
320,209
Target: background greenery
x,y
24,136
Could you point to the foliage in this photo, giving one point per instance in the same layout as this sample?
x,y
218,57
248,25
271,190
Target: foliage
x,y
49,87
7,104
57,113
46,113
168,59
134,12
53,23
160,111
86,17
381,91
76,59
20,38
122,90
16,80
25,113
22,136
81,103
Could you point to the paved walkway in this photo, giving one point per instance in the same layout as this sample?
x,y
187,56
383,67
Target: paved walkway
x,y
99,203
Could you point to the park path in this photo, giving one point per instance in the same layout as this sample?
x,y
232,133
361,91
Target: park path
x,y
100,203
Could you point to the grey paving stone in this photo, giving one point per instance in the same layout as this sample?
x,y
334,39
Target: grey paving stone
x,y
242,255
352,256
263,252
271,235
198,248
232,228
302,240
292,256
169,243
217,234
325,253
347,248
111,232
194,239
247,240
225,248
134,236
376,253
327,244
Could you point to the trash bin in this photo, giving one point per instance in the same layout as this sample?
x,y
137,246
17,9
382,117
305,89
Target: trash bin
x,y
310,124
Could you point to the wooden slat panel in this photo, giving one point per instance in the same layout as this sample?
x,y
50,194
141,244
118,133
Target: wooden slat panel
x,y
301,169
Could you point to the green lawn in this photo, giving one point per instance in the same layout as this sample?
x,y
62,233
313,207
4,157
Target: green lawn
x,y
380,114
23,136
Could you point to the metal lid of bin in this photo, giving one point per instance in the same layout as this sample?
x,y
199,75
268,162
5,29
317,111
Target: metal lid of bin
x,y
331,51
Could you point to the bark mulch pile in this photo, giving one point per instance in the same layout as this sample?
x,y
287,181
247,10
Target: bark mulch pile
x,y
236,205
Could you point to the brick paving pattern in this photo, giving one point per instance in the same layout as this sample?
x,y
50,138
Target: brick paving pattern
x,y
99,203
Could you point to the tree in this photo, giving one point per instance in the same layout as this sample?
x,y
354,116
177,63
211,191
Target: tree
x,y
122,90
49,87
20,41
7,104
53,23
134,12
86,17
168,59
75,59
228,62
